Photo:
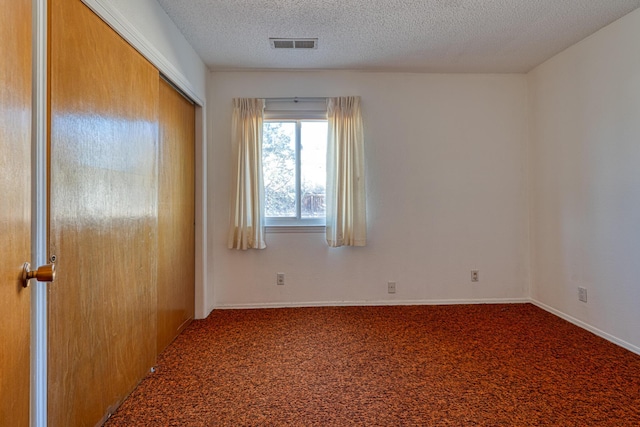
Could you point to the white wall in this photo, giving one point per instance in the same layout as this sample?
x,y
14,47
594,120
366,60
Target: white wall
x,y
446,159
585,193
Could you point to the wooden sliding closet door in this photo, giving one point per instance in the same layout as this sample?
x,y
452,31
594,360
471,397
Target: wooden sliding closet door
x,y
176,194
103,216
15,209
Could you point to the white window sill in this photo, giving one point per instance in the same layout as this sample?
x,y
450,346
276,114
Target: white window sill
x,y
295,229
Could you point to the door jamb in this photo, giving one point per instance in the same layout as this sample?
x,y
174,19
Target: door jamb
x,y
39,131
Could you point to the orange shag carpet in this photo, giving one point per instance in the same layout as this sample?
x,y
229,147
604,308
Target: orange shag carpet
x,y
465,365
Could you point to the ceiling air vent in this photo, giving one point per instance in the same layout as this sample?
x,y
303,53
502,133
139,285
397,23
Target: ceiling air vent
x,y
278,43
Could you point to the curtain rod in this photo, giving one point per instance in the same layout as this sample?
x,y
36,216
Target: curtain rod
x,y
298,99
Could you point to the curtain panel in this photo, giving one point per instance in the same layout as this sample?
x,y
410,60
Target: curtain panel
x,y
346,207
246,229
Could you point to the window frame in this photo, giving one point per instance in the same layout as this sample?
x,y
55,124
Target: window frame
x,y
295,224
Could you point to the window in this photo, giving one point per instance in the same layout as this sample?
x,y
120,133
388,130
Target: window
x,y
294,171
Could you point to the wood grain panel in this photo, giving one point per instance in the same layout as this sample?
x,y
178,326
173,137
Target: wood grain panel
x,y
176,201
15,208
103,216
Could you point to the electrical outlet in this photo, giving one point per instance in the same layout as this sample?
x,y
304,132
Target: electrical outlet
x,y
582,294
475,275
280,279
391,287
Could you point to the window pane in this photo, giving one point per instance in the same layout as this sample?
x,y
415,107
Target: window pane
x,y
279,168
313,157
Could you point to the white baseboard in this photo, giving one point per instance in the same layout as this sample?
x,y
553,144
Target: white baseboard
x,y
371,303
632,348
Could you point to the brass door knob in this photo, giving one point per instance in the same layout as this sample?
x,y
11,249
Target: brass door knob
x,y
44,273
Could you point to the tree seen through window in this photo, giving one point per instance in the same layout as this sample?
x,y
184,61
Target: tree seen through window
x,y
294,168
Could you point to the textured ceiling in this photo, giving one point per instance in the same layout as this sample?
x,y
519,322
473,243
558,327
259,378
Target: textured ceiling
x,y
392,35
